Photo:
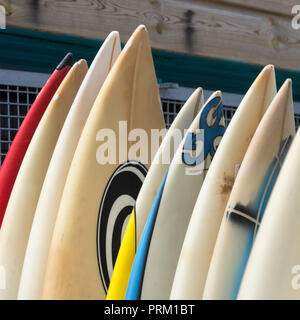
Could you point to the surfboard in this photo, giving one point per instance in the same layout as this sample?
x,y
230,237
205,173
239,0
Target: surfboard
x,y
159,249
25,194
105,176
150,187
272,271
249,197
35,261
207,215
14,157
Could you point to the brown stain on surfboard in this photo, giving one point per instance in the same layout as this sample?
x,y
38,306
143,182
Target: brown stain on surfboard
x,y
227,184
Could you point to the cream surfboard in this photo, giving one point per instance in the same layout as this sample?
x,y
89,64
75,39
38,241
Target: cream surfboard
x,y
35,261
272,271
24,197
150,187
103,181
249,197
159,249
205,222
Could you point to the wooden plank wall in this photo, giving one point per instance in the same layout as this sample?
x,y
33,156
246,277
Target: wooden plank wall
x,y
256,31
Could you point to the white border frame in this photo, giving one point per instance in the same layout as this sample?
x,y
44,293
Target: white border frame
x,y
23,78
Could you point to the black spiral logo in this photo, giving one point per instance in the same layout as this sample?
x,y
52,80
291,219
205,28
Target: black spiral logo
x,y
116,206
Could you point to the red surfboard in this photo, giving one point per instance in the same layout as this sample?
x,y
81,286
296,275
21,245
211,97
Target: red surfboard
x,y
17,150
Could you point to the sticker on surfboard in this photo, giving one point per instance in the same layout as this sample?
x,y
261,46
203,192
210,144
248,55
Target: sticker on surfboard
x,y
116,206
195,151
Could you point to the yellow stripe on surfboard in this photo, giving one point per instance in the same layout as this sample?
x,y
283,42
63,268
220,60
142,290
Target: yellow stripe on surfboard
x,y
122,268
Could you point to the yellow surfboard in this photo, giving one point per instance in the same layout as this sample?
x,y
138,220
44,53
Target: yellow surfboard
x,y
105,177
138,218
25,194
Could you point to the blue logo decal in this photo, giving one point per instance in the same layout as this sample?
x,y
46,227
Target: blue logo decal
x,y
207,136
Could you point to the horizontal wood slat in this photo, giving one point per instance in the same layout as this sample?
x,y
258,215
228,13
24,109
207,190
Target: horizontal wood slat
x,y
256,32
280,7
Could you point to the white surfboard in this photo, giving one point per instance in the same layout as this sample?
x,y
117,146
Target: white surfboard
x,y
35,261
205,222
159,254
273,268
105,176
150,187
25,194
249,197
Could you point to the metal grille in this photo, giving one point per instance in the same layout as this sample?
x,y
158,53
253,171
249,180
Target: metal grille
x,y
228,113
15,102
297,120
172,107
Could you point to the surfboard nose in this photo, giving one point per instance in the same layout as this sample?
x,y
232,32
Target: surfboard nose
x,y
267,73
81,63
140,34
115,35
66,61
141,27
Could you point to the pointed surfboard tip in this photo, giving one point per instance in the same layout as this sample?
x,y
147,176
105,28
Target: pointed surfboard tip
x,y
198,91
288,82
139,33
82,63
266,76
269,66
140,30
268,70
141,27
217,93
66,61
114,34
286,88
